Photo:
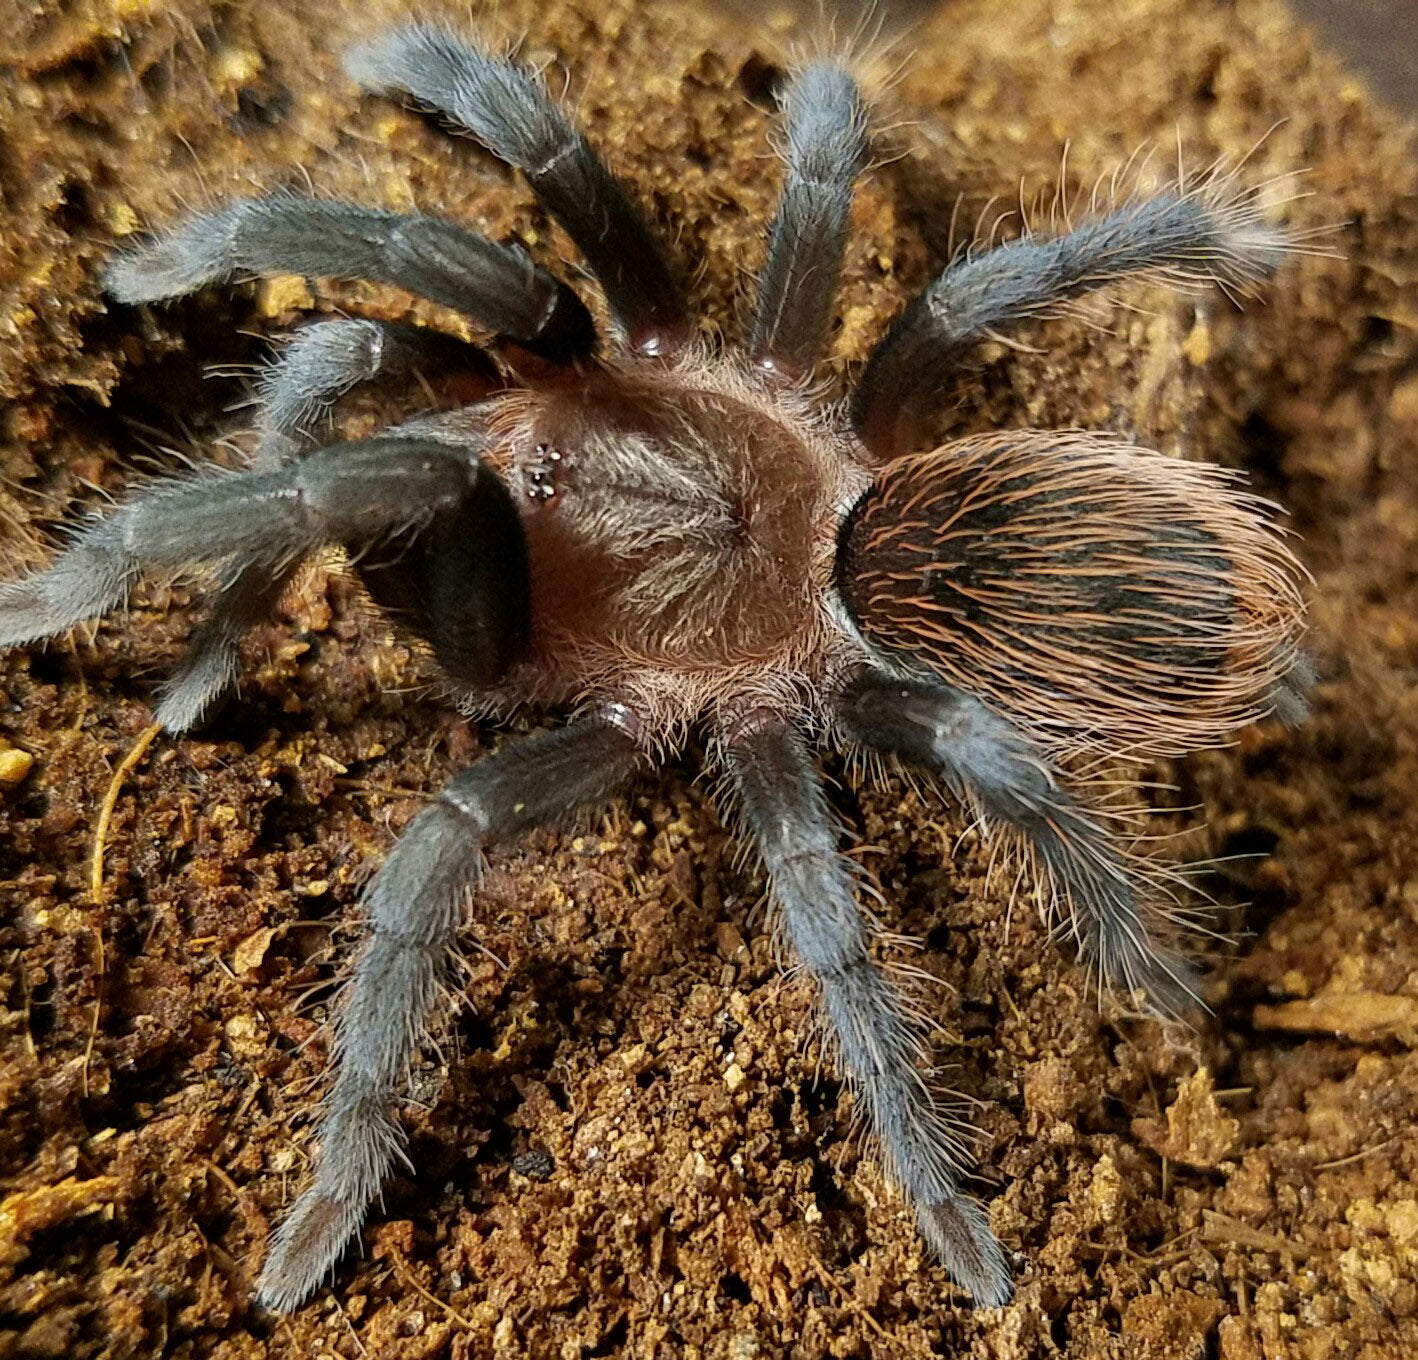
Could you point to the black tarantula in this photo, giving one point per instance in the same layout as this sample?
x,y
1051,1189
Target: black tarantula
x,y
665,539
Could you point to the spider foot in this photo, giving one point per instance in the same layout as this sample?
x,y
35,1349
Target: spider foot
x,y
959,1233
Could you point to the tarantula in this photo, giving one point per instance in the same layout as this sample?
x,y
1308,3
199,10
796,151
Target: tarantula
x,y
663,538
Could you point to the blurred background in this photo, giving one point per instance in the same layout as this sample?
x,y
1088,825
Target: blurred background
x,y
1379,37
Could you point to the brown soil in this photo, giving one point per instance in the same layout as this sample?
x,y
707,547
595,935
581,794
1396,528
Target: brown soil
x,y
623,1142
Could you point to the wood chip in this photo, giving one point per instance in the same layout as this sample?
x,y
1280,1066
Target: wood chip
x,y
1355,1015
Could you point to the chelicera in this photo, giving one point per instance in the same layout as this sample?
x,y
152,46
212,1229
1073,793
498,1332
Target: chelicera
x,y
662,539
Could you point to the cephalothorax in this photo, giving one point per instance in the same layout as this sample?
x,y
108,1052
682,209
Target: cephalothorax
x,y
666,539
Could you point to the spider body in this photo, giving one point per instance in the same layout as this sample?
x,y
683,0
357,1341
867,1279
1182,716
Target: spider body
x,y
665,539
680,529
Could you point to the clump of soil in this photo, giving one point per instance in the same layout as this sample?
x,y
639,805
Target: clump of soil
x,y
624,1142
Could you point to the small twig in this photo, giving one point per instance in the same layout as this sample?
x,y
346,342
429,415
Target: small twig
x,y
1219,1227
1355,1156
105,817
350,1328
233,1189
849,1301
1014,1009
401,1268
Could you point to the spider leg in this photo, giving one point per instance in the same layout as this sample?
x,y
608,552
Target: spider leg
x,y
328,359
826,146
321,364
352,494
1291,695
988,762
414,905
211,662
784,812
497,286
1212,234
510,112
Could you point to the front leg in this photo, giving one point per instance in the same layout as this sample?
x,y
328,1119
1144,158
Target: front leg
x,y
497,286
425,491
357,495
318,367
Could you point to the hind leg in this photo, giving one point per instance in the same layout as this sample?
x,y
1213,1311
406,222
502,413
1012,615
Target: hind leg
x,y
990,764
779,798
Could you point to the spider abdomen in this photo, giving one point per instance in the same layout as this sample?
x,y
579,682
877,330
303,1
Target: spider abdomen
x,y
1079,584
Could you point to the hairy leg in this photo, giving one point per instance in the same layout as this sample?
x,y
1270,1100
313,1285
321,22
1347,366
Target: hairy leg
x,y
352,494
497,286
784,812
211,663
324,361
990,764
1291,696
826,145
414,905
510,113
321,364
1212,234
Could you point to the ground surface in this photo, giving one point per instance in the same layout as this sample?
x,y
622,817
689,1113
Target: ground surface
x,y
623,1144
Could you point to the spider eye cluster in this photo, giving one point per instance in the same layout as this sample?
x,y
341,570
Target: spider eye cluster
x,y
542,473
1078,583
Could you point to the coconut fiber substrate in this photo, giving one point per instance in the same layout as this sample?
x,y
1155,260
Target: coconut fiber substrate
x,y
624,1140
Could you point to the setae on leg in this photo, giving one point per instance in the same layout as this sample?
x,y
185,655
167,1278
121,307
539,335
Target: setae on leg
x,y
989,763
497,286
1210,234
321,364
324,361
414,905
212,660
511,114
347,493
781,804
827,144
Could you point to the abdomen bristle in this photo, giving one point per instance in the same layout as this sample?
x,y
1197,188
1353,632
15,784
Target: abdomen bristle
x,y
1090,589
